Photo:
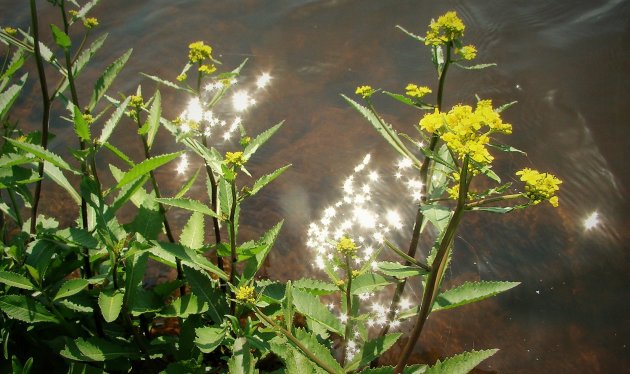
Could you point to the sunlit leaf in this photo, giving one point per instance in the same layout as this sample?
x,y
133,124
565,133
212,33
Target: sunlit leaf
x,y
61,38
103,83
369,282
188,204
25,308
111,123
242,360
41,153
15,280
311,307
209,338
146,166
372,349
266,179
470,292
97,349
71,287
462,363
110,302
258,141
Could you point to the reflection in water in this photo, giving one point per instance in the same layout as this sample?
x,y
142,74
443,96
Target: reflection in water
x,y
564,61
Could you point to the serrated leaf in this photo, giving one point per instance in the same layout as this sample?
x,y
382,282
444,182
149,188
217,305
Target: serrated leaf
x,y
186,186
193,233
438,215
372,349
266,179
315,287
460,364
407,101
71,287
111,123
81,127
168,83
188,204
474,67
208,338
26,309
312,307
295,361
494,209
470,292
61,38
242,360
369,282
154,118
105,80
203,287
55,174
188,257
385,130
315,347
7,98
146,166
266,243
17,61
507,148
41,153
184,306
97,349
15,280
398,270
147,222
134,269
417,37
85,56
111,302
85,9
253,146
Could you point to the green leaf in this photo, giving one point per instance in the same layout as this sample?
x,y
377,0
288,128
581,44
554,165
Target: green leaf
x,y
386,131
17,61
103,83
188,204
209,338
242,360
253,146
97,349
266,179
61,38
295,361
371,350
193,233
398,270
55,174
314,346
85,57
154,118
81,127
186,186
438,215
15,280
494,209
188,257
470,292
85,9
146,166
42,153
25,308
266,243
405,100
169,83
203,287
134,269
311,307
460,364
507,148
111,123
71,287
369,282
474,67
417,37
184,306
111,302
148,221
315,287
7,98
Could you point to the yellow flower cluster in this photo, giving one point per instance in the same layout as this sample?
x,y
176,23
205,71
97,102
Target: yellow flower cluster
x,y
90,22
468,52
235,158
245,294
346,246
207,69
466,131
10,30
447,28
540,186
135,103
416,91
199,52
364,91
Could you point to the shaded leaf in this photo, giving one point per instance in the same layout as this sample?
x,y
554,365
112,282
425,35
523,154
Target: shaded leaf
x,y
193,233
41,153
242,360
315,287
15,280
314,346
372,349
97,349
209,338
311,307
369,282
184,306
204,288
26,309
188,257
266,243
111,302
71,287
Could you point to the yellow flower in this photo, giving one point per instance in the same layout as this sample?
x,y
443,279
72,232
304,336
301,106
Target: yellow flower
x,y
432,121
417,91
340,282
182,77
198,52
468,52
364,91
447,28
136,101
235,158
540,186
356,273
245,294
73,13
207,69
10,30
346,246
90,22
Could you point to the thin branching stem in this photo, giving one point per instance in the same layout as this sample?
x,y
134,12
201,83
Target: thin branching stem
x,y
348,329
214,204
494,199
234,259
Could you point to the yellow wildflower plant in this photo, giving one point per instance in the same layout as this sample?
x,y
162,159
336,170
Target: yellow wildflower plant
x,y
90,22
347,246
364,91
540,186
417,92
245,295
431,122
447,28
235,158
468,52
199,52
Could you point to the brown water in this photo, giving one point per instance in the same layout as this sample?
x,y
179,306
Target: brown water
x,y
566,62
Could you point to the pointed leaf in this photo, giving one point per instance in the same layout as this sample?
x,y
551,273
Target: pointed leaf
x,y
81,127
97,349
398,270
154,118
85,56
253,146
111,123
110,302
470,292
266,242
188,257
266,179
61,38
438,215
188,204
168,83
103,83
315,287
460,364
315,347
71,287
242,360
312,307
193,233
15,280
417,37
474,67
135,269
209,338
186,186
184,306
146,166
369,282
25,308
203,287
54,173
7,98
42,153
371,350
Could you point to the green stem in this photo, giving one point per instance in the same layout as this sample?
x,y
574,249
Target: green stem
x,y
409,259
214,203
492,200
348,329
295,341
232,227
437,269
46,112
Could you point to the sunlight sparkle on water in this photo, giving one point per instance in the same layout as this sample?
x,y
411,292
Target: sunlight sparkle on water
x,y
263,80
591,221
242,100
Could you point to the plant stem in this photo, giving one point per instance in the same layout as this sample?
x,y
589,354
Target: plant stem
x,y
232,227
409,259
214,197
437,269
348,329
492,200
46,112
295,341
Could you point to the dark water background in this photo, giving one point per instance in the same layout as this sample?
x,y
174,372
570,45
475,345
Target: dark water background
x,y
566,62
